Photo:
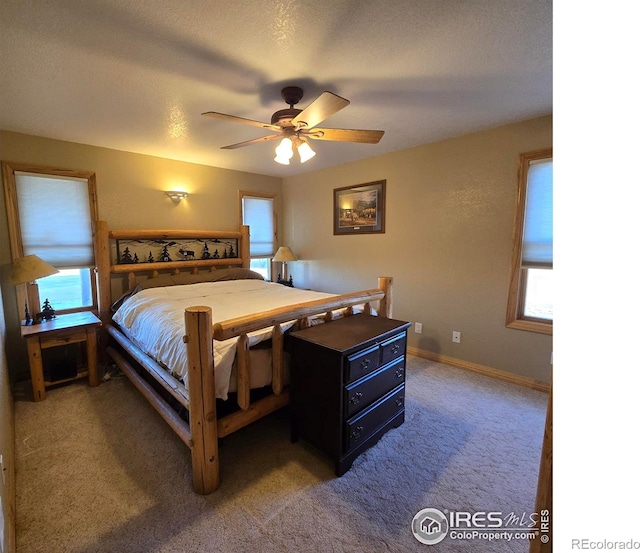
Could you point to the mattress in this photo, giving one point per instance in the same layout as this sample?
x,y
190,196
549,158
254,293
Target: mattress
x,y
153,319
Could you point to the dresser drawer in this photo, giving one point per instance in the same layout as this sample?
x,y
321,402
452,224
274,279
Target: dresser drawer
x,y
360,427
393,348
373,386
361,363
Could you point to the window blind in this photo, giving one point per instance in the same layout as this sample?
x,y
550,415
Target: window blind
x,y
537,241
258,214
55,219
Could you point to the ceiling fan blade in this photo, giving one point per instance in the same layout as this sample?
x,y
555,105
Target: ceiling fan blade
x,y
345,135
322,107
235,119
250,142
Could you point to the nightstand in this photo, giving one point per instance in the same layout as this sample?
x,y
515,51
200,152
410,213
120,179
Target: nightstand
x,y
347,384
64,329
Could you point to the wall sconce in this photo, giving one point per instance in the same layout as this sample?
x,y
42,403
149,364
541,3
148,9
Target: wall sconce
x,y
176,195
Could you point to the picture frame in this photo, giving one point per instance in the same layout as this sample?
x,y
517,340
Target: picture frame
x,y
359,209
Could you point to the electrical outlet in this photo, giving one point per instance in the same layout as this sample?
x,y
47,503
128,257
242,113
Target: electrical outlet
x,y
456,337
418,328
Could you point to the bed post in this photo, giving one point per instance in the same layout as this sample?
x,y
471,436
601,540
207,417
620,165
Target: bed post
x,y
245,253
103,266
202,401
386,306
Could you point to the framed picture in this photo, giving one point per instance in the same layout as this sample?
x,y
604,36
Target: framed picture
x,y
359,209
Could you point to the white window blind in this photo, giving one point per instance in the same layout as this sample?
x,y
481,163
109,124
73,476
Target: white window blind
x,y
55,219
537,241
258,214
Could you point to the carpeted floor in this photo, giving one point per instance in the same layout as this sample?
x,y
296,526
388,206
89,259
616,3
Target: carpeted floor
x,y
99,471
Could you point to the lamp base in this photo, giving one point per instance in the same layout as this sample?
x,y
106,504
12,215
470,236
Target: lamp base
x,y
32,321
286,282
28,321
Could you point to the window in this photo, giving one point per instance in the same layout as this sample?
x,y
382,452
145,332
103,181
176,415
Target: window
x,y
530,302
259,212
52,214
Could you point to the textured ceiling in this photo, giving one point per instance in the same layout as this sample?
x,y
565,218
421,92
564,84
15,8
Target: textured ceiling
x,y
136,75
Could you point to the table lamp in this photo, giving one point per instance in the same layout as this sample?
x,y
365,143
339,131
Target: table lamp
x,y
283,255
25,270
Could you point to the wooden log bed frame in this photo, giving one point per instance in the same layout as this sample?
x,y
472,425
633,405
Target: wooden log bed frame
x,y
204,428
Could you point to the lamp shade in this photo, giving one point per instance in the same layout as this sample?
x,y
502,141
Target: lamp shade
x,y
284,254
284,151
29,268
305,152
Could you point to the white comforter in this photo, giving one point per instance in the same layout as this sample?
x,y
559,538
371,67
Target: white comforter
x,y
154,319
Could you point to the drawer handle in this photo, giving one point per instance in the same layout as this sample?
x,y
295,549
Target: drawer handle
x,y
364,364
399,401
355,399
399,373
395,348
355,434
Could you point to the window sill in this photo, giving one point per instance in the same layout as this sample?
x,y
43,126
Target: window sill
x,y
531,326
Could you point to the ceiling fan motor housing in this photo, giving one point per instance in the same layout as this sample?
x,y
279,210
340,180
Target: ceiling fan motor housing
x,y
283,117
291,95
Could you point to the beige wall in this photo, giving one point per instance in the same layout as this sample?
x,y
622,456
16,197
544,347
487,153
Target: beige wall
x,y
450,208
130,196
449,222
130,185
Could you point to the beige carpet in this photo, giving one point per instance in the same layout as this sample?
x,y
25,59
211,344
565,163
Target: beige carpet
x,y
99,471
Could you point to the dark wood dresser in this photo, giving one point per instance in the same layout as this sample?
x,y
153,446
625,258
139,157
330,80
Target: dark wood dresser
x,y
347,384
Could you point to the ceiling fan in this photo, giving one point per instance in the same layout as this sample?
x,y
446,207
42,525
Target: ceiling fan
x,y
296,126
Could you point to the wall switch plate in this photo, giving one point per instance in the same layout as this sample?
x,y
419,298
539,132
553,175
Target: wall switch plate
x,y
456,337
418,328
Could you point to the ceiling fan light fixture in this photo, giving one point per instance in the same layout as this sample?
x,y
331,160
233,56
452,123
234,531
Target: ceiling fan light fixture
x,y
284,151
281,160
305,152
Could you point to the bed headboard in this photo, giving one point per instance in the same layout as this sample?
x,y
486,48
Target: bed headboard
x,y
128,254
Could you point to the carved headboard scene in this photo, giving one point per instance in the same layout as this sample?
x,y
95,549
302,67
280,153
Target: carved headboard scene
x,y
125,257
